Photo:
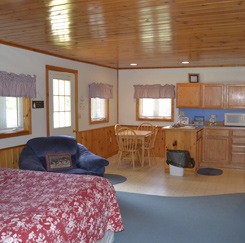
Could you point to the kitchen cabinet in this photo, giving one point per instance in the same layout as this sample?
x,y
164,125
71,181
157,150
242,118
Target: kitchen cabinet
x,y
238,148
210,95
213,95
210,146
188,95
184,139
235,96
216,146
199,145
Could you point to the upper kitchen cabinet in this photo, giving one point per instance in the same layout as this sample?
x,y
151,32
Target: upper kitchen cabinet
x,y
235,96
213,95
188,95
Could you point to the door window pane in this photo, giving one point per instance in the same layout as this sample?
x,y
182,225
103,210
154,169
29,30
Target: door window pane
x,y
61,103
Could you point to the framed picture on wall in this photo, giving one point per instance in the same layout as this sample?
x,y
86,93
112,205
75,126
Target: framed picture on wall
x,y
193,77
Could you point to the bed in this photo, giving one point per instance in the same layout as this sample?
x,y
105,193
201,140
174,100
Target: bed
x,y
54,207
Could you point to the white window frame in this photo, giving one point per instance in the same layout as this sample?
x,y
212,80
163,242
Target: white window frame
x,y
101,116
22,114
154,116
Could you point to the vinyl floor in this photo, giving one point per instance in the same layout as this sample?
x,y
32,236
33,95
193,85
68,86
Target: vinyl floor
x,y
154,181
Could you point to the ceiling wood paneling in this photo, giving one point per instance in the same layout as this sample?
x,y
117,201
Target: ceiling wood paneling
x,y
115,33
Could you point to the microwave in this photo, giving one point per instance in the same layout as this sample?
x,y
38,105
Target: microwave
x,y
234,119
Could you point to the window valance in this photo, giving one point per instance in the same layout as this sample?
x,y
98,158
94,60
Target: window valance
x,y
100,90
17,85
155,91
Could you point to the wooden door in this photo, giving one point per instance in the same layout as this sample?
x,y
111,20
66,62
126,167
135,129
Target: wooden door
x,y
61,101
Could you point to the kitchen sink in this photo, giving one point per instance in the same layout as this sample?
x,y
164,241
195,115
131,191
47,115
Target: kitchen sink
x,y
189,127
185,127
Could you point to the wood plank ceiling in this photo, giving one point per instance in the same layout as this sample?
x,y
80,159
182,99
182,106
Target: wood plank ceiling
x,y
115,33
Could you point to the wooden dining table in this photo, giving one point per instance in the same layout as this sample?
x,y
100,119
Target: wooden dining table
x,y
141,135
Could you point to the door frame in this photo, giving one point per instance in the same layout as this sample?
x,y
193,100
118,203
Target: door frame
x,y
67,70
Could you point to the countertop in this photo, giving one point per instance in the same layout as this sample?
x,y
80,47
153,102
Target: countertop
x,y
224,127
189,128
198,128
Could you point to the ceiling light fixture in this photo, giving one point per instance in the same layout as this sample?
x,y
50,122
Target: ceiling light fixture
x,y
185,62
133,64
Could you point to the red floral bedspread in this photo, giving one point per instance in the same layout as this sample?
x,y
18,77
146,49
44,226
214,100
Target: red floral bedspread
x,y
53,207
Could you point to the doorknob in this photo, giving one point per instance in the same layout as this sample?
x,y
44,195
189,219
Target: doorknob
x,y
74,130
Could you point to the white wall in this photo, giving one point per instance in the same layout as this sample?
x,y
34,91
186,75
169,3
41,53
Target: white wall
x,y
27,62
127,78
22,61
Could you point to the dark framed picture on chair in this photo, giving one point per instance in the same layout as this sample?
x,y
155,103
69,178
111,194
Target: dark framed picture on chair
x,y
58,161
193,77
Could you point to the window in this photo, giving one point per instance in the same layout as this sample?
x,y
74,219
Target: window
x,y
99,110
155,109
99,95
15,116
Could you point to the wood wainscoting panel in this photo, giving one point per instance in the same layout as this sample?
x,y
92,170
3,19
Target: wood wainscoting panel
x,y
159,150
100,141
160,143
10,157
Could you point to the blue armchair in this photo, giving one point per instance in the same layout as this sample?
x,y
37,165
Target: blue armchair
x,y
68,156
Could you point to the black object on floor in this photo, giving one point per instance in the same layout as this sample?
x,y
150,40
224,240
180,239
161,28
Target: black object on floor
x,y
210,171
115,179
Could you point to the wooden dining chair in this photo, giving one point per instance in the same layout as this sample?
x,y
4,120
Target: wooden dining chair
x,y
117,127
147,126
149,142
150,145
128,145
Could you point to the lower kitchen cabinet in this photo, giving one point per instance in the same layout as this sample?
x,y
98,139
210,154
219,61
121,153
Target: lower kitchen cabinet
x,y
224,147
216,146
199,145
184,139
238,148
211,146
